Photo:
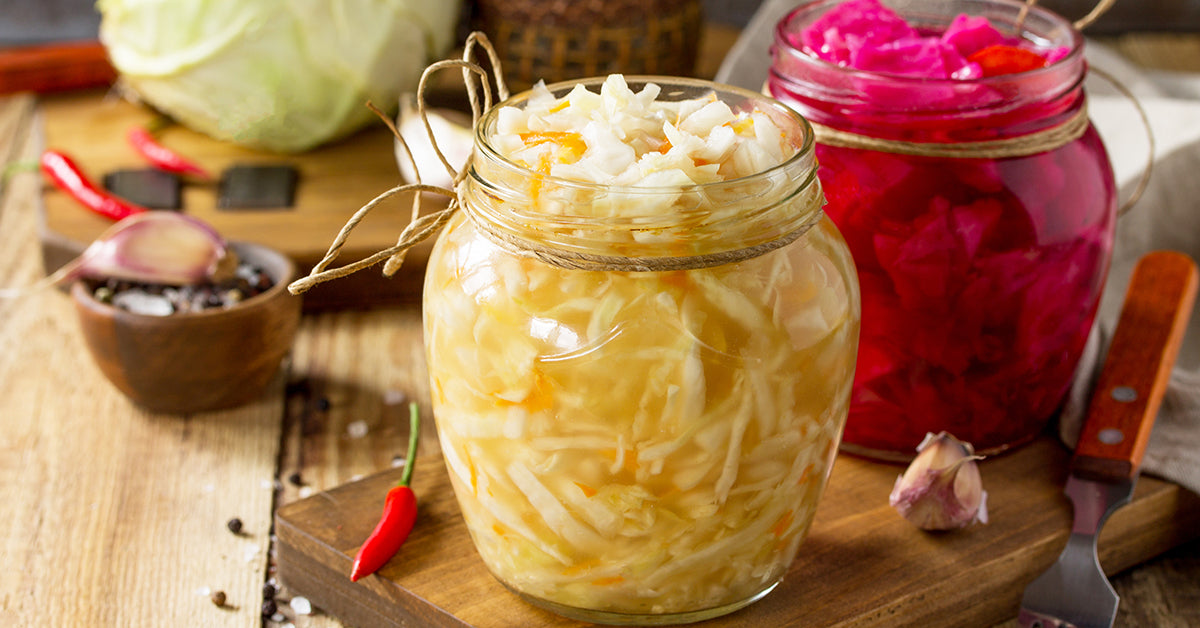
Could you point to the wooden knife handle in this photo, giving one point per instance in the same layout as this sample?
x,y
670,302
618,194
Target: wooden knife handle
x,y
1130,387
55,67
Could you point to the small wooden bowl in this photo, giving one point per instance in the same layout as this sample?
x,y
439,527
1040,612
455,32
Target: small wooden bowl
x,y
196,361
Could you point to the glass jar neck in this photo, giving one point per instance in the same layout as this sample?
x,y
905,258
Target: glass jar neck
x,y
906,108
646,228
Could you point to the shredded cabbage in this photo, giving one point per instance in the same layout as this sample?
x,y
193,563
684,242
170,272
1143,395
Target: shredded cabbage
x,y
677,428
281,75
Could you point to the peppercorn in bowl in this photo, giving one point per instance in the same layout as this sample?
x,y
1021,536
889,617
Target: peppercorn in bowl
x,y
193,348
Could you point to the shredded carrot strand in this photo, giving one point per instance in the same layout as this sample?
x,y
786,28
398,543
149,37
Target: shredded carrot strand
x,y
581,567
805,474
781,526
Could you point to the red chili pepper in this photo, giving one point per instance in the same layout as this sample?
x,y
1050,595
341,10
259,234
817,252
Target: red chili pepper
x,y
66,175
160,156
1000,59
399,514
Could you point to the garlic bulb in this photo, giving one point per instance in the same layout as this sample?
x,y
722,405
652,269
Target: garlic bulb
x,y
453,133
941,489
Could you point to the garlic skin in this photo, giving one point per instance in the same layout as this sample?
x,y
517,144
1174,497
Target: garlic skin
x,y
161,247
942,488
455,138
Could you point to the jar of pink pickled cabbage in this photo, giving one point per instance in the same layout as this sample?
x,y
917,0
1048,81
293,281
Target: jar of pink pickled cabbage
x,y
640,331
979,207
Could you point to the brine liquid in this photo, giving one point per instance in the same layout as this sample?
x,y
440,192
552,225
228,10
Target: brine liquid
x,y
980,280
643,443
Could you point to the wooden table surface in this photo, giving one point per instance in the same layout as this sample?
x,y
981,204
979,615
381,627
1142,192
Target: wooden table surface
x,y
117,517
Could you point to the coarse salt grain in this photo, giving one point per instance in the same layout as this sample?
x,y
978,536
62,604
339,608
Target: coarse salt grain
x,y
140,302
357,429
301,605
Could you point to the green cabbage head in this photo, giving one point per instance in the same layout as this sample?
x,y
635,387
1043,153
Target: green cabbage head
x,y
278,75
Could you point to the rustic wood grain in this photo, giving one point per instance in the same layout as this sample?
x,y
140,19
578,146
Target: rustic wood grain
x,y
114,516
862,565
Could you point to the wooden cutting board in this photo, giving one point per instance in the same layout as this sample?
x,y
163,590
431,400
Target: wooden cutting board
x,y
334,181
862,564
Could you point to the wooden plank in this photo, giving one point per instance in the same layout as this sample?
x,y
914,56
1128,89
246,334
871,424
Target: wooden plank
x,y
114,517
1178,52
862,564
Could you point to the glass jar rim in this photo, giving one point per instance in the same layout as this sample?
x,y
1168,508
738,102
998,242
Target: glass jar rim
x,y
816,8
804,157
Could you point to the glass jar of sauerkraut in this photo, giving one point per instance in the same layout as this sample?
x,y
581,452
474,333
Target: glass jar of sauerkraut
x,y
977,199
641,334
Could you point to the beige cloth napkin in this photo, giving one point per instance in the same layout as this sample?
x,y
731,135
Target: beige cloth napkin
x,y
1166,217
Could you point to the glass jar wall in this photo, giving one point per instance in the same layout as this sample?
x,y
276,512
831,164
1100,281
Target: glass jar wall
x,y
980,214
639,392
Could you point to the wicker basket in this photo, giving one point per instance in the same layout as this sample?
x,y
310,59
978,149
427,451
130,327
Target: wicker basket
x,y
556,40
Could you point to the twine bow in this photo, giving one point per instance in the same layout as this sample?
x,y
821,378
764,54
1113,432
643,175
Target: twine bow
x,y
419,227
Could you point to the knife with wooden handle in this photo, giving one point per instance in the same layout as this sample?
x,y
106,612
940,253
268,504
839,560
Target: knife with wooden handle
x,y
1074,591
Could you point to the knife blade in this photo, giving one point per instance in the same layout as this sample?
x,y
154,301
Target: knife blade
x,y
1074,591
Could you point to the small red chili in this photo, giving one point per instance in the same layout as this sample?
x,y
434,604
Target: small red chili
x,y
66,175
144,142
399,514
1000,59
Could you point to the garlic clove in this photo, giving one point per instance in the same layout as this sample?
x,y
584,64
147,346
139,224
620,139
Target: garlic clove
x,y
158,247
453,133
942,488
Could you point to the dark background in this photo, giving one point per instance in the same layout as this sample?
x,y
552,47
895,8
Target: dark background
x,y
26,22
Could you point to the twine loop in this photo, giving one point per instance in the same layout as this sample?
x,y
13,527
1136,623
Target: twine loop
x,y
419,227
1058,135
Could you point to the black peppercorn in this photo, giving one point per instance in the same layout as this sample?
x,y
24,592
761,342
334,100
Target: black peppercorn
x,y
218,598
234,525
268,608
268,591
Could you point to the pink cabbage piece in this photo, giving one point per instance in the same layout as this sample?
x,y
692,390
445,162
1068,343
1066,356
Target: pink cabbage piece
x,y
865,35
979,282
969,34
852,26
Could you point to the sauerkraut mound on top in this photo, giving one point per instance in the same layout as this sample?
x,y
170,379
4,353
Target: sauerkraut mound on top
x,y
624,138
